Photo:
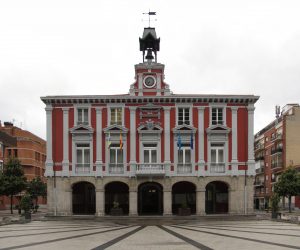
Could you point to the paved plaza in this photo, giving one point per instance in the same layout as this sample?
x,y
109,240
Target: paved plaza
x,y
72,234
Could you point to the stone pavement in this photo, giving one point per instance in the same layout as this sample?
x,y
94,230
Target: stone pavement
x,y
212,234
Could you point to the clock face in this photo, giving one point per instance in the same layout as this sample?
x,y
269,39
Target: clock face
x,y
149,81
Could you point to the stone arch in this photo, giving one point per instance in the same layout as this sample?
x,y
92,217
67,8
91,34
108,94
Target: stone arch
x,y
150,198
217,197
83,198
116,198
183,196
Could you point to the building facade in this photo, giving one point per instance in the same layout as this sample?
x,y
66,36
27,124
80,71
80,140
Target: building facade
x,y
150,151
28,148
277,147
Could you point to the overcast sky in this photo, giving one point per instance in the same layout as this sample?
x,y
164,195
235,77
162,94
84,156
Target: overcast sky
x,y
90,47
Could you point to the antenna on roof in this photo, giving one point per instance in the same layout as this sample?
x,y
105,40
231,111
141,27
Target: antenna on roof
x,y
150,13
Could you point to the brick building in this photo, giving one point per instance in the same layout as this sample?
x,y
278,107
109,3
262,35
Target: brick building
x,y
150,151
28,148
277,146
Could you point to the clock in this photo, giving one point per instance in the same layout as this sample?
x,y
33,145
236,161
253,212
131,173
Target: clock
x,y
149,81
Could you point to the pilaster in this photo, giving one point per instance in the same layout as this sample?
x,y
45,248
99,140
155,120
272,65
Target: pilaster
x,y
99,162
100,202
234,160
167,158
201,161
65,163
132,161
49,160
133,201
251,161
200,202
167,202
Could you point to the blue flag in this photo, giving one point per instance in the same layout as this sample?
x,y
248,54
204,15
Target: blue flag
x,y
179,144
192,142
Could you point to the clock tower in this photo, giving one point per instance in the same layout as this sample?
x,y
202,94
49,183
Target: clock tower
x,y
149,75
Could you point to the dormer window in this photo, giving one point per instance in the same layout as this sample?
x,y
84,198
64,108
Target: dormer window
x,y
82,116
116,115
217,116
183,116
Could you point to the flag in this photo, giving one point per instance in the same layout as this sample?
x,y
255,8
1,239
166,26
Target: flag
x,y
121,142
108,141
152,13
192,142
179,144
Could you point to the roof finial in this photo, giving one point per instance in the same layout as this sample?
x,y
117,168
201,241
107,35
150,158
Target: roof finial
x,y
150,13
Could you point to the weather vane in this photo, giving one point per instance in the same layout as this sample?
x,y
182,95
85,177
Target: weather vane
x,y
150,13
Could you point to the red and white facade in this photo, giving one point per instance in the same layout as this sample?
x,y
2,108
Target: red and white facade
x,y
167,138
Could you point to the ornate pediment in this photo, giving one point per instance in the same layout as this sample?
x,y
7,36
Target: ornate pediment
x,y
184,129
218,129
82,129
150,127
115,129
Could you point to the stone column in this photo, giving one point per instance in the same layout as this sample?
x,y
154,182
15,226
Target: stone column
x,y
200,202
234,160
167,161
69,203
201,161
251,161
99,162
100,202
167,202
133,202
65,163
49,160
132,161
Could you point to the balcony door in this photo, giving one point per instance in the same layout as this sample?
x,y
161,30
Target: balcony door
x,y
150,155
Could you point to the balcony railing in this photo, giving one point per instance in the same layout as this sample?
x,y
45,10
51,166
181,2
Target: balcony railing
x,y
276,150
276,164
259,183
116,168
184,168
259,146
276,137
148,169
82,168
260,170
259,158
217,167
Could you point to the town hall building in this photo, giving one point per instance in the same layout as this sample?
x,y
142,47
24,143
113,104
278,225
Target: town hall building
x,y
150,152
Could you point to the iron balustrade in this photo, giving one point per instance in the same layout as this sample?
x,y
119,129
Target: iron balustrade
x,y
82,168
116,168
184,168
217,167
150,169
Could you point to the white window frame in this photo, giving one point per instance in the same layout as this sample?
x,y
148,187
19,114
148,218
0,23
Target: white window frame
x,y
184,106
218,106
217,148
112,106
118,150
82,106
150,149
82,148
184,149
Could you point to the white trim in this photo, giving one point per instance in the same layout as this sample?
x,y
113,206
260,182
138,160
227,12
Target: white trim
x,y
217,105
82,106
190,106
49,160
149,76
115,105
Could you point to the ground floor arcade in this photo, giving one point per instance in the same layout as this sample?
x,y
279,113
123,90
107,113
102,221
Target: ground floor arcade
x,y
149,196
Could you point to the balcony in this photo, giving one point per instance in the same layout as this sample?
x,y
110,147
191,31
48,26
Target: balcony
x,y
276,150
259,183
277,137
259,146
82,168
184,168
276,165
217,168
260,170
116,168
150,169
259,158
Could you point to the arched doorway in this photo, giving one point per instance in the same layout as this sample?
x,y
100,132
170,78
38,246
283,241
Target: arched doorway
x,y
83,198
117,198
216,198
183,196
150,199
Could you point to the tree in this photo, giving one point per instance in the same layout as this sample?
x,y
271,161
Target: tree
x,y
12,180
288,184
37,188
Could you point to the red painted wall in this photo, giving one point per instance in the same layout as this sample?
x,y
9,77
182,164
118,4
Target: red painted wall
x,y
242,135
57,136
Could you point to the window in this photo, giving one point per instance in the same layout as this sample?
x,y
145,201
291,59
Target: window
x,y
1,166
82,116
184,116
217,153
150,154
9,152
217,116
16,153
116,155
184,156
116,116
83,158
